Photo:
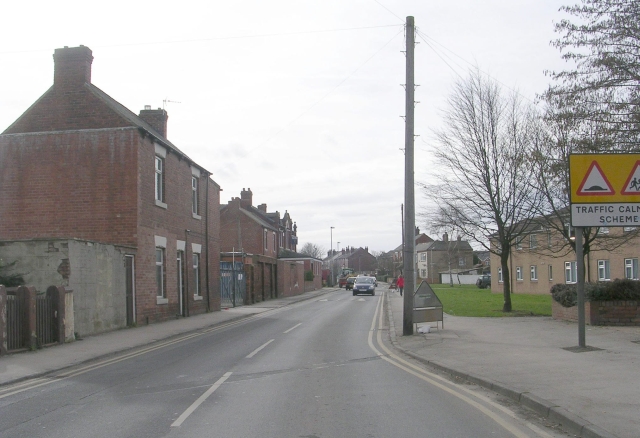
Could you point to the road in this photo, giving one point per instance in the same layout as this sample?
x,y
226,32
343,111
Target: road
x,y
319,368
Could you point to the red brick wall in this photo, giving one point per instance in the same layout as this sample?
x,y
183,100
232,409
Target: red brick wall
x,y
69,109
79,184
622,313
172,223
290,278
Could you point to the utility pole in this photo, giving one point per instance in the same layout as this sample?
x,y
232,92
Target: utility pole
x,y
409,195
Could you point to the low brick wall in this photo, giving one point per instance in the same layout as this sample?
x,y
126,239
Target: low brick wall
x,y
622,313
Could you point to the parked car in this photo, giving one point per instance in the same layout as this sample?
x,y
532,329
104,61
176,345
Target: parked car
x,y
484,281
348,285
364,285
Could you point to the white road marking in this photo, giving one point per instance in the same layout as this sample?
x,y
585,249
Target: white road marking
x,y
295,326
431,378
257,350
201,399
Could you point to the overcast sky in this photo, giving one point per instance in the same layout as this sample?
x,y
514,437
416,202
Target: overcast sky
x,y
299,100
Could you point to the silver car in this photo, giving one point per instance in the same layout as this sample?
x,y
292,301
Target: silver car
x,y
364,285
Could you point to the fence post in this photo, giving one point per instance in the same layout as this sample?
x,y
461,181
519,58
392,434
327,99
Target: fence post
x,y
57,293
28,295
3,320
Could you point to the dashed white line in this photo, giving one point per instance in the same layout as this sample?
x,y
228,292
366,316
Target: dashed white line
x,y
295,326
201,399
257,350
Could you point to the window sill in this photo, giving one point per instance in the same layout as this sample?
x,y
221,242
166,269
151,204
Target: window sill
x,y
160,300
161,204
197,298
196,216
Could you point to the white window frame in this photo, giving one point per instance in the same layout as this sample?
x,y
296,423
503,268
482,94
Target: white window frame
x,y
570,272
603,230
500,279
266,240
519,273
571,231
519,243
550,271
194,196
631,268
423,256
604,270
197,293
533,241
161,291
159,175
160,180
534,273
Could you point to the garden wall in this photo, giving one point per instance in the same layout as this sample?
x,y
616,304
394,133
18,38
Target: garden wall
x,y
614,313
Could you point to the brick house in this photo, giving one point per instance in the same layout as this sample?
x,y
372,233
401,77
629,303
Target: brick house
x,y
440,256
539,259
260,236
87,186
359,259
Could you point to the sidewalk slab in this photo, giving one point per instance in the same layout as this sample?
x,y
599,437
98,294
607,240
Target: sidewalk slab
x,y
526,358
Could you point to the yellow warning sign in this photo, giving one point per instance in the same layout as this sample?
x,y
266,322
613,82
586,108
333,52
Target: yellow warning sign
x,y
604,178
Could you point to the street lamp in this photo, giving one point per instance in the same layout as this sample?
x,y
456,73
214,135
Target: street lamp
x,y
331,255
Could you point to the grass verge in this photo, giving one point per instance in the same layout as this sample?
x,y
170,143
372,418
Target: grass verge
x,y
468,300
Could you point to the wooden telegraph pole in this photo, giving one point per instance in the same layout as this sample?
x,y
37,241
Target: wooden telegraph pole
x,y
409,196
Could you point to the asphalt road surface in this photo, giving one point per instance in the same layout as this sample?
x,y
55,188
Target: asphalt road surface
x,y
319,368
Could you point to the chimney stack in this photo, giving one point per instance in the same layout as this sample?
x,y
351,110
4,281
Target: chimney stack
x,y
246,198
445,237
263,208
156,118
72,67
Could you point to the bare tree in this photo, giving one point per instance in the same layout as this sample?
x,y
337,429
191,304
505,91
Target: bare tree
x,y
601,42
485,185
592,107
564,135
312,250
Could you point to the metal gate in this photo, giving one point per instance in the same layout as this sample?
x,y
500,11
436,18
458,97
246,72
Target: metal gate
x,y
46,320
16,312
233,284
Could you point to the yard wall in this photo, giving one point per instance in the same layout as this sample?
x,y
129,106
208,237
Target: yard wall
x,y
613,313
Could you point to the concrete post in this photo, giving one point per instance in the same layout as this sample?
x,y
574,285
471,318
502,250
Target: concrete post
x,y
58,294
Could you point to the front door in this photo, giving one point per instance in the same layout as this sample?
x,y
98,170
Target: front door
x,y
179,270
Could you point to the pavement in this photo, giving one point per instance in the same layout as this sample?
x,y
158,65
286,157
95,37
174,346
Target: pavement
x,y
532,360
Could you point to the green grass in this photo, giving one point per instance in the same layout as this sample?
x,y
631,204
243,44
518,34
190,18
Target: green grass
x,y
468,300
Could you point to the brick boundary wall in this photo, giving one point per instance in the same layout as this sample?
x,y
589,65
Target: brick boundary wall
x,y
611,313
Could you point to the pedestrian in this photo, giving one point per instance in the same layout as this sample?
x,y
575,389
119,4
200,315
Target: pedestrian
x,y
400,284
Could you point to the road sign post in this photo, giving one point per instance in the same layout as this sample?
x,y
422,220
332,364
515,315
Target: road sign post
x,y
605,192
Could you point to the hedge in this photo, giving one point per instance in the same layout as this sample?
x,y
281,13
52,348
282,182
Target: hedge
x,y
616,290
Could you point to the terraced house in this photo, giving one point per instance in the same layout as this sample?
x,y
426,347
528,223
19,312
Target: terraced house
x,y
96,198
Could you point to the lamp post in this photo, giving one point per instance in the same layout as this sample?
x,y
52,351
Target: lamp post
x,y
331,259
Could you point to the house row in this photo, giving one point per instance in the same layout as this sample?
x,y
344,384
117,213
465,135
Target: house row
x,y
541,258
435,258
360,260
96,198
